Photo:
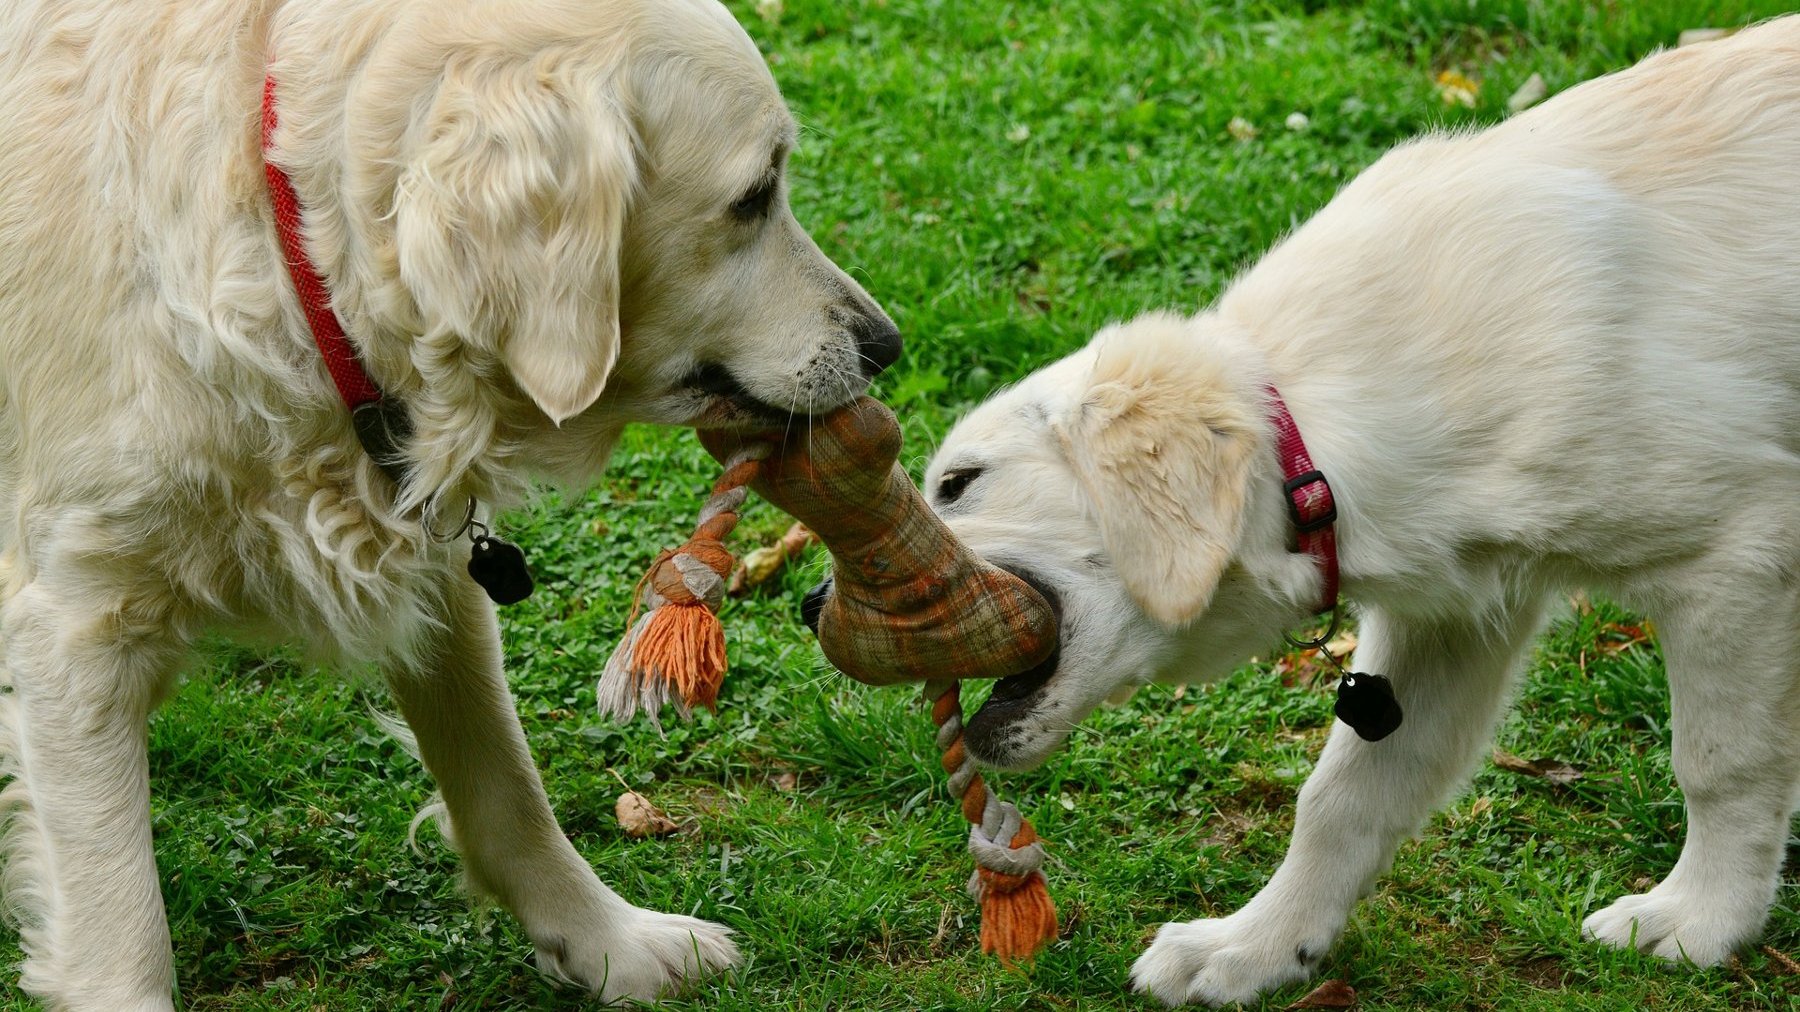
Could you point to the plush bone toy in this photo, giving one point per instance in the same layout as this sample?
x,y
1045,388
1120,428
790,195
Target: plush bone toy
x,y
908,603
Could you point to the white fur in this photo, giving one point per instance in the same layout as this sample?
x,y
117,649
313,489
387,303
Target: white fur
x,y
523,209
1561,352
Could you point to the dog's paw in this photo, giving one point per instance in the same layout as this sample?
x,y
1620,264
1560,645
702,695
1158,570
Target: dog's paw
x,y
1231,959
1664,922
649,956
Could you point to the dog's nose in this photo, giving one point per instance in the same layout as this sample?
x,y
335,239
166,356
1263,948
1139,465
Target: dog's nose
x,y
814,603
877,342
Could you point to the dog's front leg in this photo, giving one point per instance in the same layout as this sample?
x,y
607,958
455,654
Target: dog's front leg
x,y
469,737
85,668
1360,803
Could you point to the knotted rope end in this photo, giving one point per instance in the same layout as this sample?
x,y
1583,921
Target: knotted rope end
x,y
675,652
1018,918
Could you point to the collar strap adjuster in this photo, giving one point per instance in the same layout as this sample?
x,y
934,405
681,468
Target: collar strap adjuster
x,y
1310,511
383,427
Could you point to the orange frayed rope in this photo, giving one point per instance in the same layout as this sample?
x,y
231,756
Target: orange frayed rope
x,y
1017,915
675,653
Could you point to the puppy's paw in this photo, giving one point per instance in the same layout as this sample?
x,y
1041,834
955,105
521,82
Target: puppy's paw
x,y
1668,923
1231,959
648,956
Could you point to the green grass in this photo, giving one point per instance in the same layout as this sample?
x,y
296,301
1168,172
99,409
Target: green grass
x,y
1005,177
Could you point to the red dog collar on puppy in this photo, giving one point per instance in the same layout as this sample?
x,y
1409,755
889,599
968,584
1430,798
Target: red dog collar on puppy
x,y
1364,701
1309,502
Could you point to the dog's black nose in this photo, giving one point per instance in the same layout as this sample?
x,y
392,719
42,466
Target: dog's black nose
x,y
877,342
814,603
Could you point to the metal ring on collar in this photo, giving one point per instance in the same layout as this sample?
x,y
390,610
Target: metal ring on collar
x,y
1314,644
468,521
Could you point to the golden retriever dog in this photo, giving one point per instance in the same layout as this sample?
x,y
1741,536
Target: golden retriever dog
x,y
537,220
1562,352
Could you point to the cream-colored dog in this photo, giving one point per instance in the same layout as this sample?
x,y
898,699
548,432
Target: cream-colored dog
x,y
1561,352
538,219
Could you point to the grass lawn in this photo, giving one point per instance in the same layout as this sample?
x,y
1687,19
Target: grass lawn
x,y
1005,177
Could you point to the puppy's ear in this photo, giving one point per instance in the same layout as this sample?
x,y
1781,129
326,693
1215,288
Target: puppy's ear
x,y
1161,445
508,223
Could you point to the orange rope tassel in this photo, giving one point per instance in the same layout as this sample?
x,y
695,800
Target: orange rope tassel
x,y
1018,917
675,653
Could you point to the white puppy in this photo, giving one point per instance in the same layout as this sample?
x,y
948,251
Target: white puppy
x,y
537,220
1561,352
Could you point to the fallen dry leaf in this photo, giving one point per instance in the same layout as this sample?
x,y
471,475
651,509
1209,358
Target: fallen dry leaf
x,y
639,818
759,564
785,781
1331,994
1694,35
1302,667
1457,89
1559,773
1529,94
1618,637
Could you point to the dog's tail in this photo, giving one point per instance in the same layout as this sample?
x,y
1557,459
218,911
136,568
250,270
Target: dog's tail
x,y
434,809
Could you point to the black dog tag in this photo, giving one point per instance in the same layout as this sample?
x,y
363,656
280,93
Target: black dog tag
x,y
1367,704
499,567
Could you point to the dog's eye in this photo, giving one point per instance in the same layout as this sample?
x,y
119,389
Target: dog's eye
x,y
755,202
951,486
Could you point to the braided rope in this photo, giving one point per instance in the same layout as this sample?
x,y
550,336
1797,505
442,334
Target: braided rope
x,y
674,651
1017,914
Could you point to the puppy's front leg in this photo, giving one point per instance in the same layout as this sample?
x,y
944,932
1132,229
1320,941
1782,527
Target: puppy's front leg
x,y
470,739
1360,803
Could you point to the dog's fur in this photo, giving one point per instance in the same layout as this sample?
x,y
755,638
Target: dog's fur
x,y
1561,352
540,220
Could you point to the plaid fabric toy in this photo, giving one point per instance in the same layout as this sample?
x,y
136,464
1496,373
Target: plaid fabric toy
x,y
908,603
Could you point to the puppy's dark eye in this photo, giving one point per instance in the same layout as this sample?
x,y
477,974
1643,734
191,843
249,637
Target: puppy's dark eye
x,y
952,485
754,204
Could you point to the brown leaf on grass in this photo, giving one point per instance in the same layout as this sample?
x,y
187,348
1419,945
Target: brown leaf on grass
x,y
1301,667
1331,994
1618,637
760,564
1559,773
639,818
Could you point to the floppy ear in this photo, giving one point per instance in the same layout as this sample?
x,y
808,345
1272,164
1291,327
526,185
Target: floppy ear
x,y
1162,447
508,223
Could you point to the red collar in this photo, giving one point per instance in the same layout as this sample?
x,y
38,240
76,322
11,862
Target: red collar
x,y
1309,502
381,424
353,384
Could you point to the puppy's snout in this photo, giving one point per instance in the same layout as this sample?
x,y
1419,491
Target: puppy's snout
x,y
814,603
877,342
